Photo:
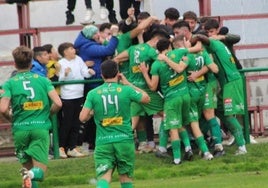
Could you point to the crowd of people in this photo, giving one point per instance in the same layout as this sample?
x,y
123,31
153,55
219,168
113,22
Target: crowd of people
x,y
182,70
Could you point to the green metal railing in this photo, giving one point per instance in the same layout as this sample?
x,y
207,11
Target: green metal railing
x,y
246,115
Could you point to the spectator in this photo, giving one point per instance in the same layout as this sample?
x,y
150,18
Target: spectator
x,y
30,97
191,18
124,5
72,67
40,60
52,65
93,53
105,32
106,11
114,141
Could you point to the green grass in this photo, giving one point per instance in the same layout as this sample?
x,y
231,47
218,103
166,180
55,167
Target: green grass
x,y
250,170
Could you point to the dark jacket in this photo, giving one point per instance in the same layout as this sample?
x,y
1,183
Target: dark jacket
x,y
90,50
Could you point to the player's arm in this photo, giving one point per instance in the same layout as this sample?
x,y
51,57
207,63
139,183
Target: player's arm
x,y
85,114
139,29
213,67
5,108
145,97
196,74
153,81
178,67
56,101
122,57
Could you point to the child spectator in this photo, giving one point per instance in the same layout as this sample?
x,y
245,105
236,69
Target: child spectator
x,y
72,67
40,59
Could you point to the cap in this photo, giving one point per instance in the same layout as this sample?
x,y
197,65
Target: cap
x,y
89,31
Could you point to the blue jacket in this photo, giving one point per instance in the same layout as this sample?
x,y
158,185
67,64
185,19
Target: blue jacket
x,y
39,68
90,50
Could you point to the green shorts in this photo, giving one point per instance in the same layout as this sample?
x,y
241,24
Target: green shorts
x,y
153,107
231,98
120,155
211,95
197,103
32,145
176,112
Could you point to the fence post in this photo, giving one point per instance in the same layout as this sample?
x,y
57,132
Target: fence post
x,y
54,121
246,116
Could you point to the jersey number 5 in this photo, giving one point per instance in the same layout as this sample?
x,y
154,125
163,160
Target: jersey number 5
x,y
28,88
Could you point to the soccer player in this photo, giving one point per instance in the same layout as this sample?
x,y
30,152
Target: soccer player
x,y
176,99
32,99
137,54
231,96
110,103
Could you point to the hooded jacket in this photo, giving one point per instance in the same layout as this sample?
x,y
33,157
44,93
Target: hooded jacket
x,y
90,50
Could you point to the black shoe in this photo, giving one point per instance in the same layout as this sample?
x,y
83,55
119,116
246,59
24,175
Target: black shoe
x,y
161,154
69,18
188,155
218,153
17,1
112,17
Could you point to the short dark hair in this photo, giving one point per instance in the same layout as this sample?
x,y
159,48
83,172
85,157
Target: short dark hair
x,y
159,32
38,50
172,13
211,24
104,26
64,46
143,15
48,47
162,44
181,24
23,57
109,69
190,15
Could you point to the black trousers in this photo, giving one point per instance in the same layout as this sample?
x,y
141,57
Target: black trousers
x,y
126,4
109,4
70,124
71,4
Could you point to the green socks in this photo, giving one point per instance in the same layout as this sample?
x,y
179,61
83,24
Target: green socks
x,y
141,135
37,174
176,149
102,183
185,138
200,141
34,184
127,185
236,130
163,136
215,130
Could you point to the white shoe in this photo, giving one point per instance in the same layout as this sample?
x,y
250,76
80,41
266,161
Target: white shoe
x,y
74,153
62,153
88,16
229,142
145,148
103,13
208,156
252,140
83,150
241,150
